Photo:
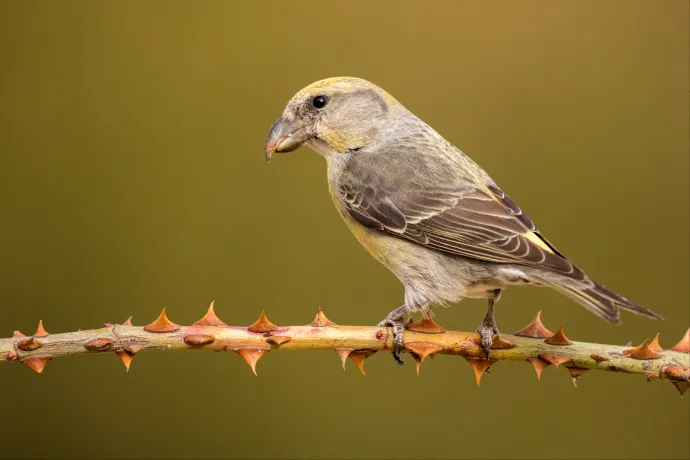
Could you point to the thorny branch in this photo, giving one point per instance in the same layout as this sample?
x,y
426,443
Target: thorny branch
x,y
534,344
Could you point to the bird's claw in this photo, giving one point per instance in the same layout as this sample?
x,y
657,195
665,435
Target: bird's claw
x,y
398,326
486,331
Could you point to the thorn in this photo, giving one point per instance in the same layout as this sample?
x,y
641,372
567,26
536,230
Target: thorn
x,y
37,363
128,322
108,324
278,340
599,357
17,334
677,372
423,349
651,377
11,356
535,329
417,361
210,318
555,359
134,349
497,343
126,358
558,338
251,355
40,331
538,366
262,324
162,324
420,350
654,345
682,387
198,339
576,373
128,353
642,352
321,320
101,344
426,325
29,344
358,357
684,345
343,353
479,366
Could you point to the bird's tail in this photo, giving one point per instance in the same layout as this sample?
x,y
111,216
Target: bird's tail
x,y
601,301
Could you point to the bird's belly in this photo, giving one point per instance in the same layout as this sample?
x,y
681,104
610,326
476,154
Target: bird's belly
x,y
429,276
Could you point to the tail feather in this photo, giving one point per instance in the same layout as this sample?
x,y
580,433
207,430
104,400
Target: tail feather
x,y
602,302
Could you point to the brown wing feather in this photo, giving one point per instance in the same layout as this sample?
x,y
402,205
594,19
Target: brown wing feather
x,y
465,221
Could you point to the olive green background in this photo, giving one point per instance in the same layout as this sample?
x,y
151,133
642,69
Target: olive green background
x,y
132,177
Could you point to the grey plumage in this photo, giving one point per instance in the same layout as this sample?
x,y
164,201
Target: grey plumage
x,y
424,209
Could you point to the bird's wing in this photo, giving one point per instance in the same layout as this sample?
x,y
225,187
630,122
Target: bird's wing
x,y
469,221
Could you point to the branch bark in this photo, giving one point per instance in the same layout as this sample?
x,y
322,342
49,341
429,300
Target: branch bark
x,y
534,344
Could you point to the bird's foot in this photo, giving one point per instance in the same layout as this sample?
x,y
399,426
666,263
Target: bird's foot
x,y
395,320
487,329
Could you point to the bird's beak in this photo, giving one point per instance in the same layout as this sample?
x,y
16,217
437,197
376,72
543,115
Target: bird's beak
x,y
285,136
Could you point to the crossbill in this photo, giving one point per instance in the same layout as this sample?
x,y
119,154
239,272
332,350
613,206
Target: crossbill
x,y
424,209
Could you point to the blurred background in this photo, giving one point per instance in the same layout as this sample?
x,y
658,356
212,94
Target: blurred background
x,y
132,177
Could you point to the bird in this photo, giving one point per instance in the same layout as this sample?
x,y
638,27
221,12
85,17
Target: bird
x,y
426,210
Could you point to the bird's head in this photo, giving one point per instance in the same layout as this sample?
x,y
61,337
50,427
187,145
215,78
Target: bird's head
x,y
331,116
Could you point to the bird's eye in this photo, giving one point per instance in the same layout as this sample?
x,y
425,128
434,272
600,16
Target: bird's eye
x,y
319,102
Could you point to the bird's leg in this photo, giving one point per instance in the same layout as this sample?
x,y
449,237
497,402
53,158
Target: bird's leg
x,y
487,329
396,320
